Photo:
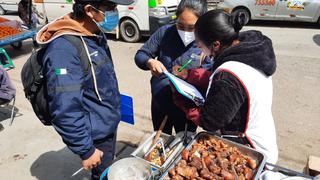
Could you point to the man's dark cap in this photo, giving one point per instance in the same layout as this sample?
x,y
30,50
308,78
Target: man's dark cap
x,y
120,2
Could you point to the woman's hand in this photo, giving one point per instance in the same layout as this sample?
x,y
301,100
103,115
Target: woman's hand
x,y
156,67
183,74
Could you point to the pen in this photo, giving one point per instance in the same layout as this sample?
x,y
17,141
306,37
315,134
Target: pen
x,y
185,65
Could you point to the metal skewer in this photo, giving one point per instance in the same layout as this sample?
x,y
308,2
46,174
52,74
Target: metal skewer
x,y
77,172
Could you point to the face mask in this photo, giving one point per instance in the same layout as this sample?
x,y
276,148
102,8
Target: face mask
x,y
186,37
208,51
111,20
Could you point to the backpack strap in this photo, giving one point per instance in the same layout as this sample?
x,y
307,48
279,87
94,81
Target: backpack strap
x,y
85,58
86,62
77,43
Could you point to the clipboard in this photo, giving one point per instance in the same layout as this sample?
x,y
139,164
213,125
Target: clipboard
x,y
186,89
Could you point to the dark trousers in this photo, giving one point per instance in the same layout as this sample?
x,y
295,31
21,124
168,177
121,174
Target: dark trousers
x,y
162,105
108,146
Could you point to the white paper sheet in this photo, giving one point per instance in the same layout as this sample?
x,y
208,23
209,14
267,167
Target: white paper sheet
x,y
186,89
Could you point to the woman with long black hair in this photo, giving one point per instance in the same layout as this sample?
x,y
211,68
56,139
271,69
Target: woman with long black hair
x,y
239,86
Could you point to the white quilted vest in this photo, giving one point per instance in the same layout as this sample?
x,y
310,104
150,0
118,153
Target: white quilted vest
x,y
260,129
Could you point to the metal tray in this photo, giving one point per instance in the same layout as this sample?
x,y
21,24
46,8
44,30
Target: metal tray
x,y
146,145
256,155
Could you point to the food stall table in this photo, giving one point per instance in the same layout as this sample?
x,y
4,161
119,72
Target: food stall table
x,y
162,172
15,40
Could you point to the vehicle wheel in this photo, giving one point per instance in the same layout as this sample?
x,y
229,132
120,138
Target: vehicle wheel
x,y
245,13
16,45
129,31
2,11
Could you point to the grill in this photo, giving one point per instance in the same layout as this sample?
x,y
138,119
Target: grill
x,y
171,9
212,4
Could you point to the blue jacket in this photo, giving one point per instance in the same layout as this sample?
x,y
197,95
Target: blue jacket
x,y
78,115
166,45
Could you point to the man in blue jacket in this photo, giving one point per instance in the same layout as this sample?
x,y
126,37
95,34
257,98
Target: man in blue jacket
x,y
84,105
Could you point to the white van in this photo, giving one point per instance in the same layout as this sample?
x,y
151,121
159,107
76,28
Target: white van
x,y
141,18
136,20
8,5
53,8
285,10
12,6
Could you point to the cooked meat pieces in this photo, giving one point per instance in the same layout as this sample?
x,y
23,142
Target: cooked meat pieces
x,y
187,172
210,158
206,174
252,163
182,163
185,154
196,162
227,175
215,169
177,177
248,174
172,172
207,160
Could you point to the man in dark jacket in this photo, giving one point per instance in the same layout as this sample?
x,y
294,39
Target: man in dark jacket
x,y
85,106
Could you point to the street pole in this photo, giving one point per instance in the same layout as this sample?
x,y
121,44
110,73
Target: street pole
x,y
30,13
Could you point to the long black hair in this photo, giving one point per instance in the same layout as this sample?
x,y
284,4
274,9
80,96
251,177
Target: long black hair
x,y
198,7
217,25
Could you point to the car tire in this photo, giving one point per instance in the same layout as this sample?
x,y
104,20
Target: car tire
x,y
2,11
129,31
246,14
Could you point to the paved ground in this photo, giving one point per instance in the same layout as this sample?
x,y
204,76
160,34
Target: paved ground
x,y
29,150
